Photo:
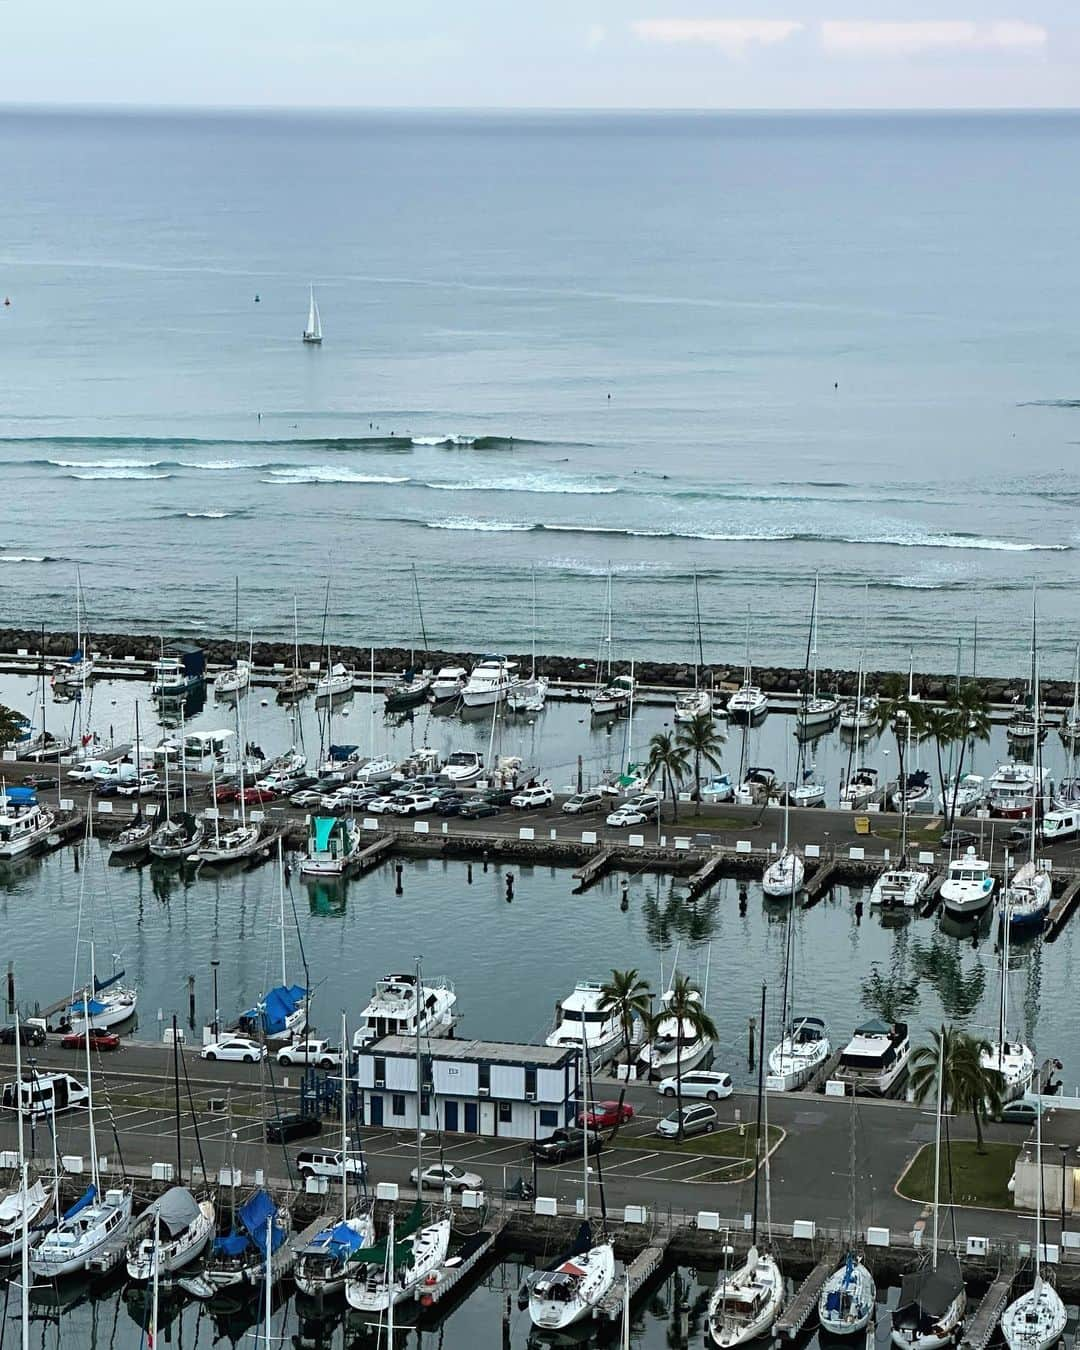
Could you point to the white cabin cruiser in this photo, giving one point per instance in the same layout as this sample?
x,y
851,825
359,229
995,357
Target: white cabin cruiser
x,y
747,704
463,766
899,887
233,680
969,794
745,1303
581,1020
337,682
448,683
490,681
859,714
529,696
569,1292
378,770
22,825
392,1009
675,1045
186,1226
695,703
875,1058
615,698
1013,788
968,887
784,877
334,844
227,846
799,1055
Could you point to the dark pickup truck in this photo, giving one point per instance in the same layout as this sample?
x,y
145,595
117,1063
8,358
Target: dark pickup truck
x,y
564,1145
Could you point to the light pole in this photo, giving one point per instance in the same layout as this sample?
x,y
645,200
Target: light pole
x,y
1064,1152
214,966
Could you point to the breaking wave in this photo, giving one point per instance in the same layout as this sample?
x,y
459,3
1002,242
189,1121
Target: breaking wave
x,y
325,473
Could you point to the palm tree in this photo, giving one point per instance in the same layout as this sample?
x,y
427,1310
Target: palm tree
x,y
12,725
669,759
682,1005
966,1085
941,724
971,710
701,738
628,997
905,718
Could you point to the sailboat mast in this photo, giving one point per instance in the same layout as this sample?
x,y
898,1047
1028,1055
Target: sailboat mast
x,y
419,608
24,1180
937,1143
90,1088
281,907
344,1120
419,1083
154,1285
1002,996
760,1097
585,1119
1039,1189
700,648
1036,768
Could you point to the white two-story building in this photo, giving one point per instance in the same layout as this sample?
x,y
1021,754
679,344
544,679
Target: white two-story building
x,y
490,1088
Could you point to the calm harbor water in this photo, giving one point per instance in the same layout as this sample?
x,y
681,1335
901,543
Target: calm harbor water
x,y
750,347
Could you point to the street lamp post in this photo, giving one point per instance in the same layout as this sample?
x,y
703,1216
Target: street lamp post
x,y
214,966
1064,1152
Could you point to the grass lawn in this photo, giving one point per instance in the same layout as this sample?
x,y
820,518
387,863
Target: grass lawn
x,y
978,1178
700,824
917,834
727,1143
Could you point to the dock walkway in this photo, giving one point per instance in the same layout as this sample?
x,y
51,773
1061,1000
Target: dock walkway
x,y
792,1320
987,1315
641,1269
705,876
1062,909
474,1251
594,869
375,852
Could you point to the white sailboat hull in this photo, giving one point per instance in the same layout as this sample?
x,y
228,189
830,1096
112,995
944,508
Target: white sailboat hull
x,y
1036,1320
942,1333
594,1274
846,1303
175,1254
68,1249
746,1306
375,1295
784,877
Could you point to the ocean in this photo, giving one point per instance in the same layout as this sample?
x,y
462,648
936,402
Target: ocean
x,y
750,348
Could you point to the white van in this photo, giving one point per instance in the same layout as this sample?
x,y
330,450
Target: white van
x,y
116,773
1062,824
44,1095
88,770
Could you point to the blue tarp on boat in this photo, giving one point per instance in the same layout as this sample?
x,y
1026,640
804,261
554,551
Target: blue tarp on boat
x,y
324,827
93,1007
87,1198
231,1244
254,1214
339,1242
342,752
278,1007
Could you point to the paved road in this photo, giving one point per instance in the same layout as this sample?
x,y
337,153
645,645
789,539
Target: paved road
x,y
810,1168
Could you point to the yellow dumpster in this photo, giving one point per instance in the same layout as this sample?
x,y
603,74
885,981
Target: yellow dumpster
x,y
862,824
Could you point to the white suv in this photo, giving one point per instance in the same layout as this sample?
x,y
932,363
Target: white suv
x,y
413,804
700,1083
532,796
324,1163
321,1053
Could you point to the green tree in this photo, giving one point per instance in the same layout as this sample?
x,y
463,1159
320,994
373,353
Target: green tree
x,y
11,725
682,1005
701,738
627,996
971,713
670,760
898,713
941,724
966,1084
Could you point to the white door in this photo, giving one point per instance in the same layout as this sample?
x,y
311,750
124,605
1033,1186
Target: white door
x,y
487,1118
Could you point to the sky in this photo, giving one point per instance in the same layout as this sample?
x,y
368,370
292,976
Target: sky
x,y
545,54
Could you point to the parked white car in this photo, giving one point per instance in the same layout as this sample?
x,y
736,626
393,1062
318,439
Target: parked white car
x,y
237,1048
698,1083
306,797
146,783
636,811
529,798
414,804
320,1053
441,1175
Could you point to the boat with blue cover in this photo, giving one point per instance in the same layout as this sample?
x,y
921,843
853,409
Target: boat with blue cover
x,y
334,844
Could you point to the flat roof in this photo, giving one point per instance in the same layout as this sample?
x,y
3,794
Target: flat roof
x,y
490,1052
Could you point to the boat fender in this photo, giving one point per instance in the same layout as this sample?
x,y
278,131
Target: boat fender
x,y
432,1278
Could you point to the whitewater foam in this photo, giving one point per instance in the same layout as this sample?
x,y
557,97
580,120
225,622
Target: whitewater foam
x,y
325,473
485,526
526,483
117,474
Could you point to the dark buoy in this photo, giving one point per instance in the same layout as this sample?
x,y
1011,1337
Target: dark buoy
x,y
398,889
7,301
256,297
76,853
484,855
858,911
468,874
742,900
509,887
191,1001
750,1044
624,902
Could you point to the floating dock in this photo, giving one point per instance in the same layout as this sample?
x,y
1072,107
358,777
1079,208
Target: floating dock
x,y
824,878
375,852
1062,909
594,869
706,875
987,1315
464,1261
640,1270
792,1320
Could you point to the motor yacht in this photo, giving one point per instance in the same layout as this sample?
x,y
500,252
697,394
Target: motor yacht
x,y
581,1020
462,767
490,681
393,1009
899,887
1013,788
448,683
334,843
875,1058
23,825
968,886
694,703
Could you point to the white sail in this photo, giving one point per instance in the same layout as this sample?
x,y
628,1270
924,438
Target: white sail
x,y
313,331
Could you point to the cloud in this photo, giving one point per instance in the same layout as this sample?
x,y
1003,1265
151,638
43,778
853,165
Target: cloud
x,y
843,37
732,36
595,36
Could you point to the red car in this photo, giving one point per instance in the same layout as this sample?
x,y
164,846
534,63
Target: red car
x,y
256,796
99,1039
605,1115
226,794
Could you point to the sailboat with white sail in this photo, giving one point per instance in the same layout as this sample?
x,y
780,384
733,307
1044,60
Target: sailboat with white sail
x,y
1036,1320
313,329
95,1220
